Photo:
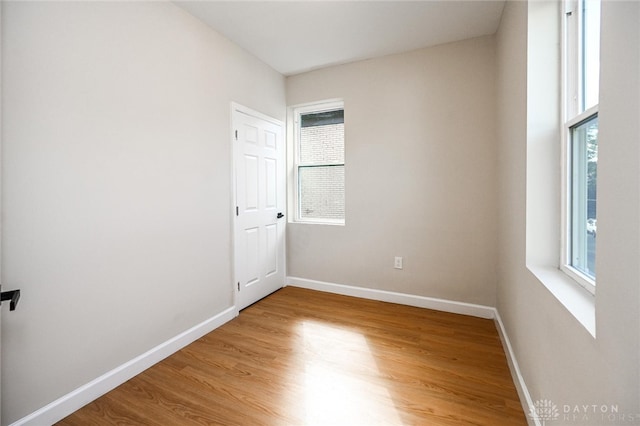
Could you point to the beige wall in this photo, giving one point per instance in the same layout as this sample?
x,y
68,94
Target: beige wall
x,y
559,358
116,184
116,189
420,174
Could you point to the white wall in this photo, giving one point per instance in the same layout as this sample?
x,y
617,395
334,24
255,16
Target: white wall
x,y
115,185
559,358
420,174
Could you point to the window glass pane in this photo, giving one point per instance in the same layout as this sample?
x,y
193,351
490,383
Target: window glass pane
x,y
321,192
322,143
590,53
584,142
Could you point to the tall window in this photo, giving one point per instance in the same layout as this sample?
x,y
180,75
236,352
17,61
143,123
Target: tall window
x,y
319,163
582,72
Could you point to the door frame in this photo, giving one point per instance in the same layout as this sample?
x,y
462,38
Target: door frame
x,y
235,109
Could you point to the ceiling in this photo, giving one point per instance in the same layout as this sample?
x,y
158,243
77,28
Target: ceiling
x,y
298,36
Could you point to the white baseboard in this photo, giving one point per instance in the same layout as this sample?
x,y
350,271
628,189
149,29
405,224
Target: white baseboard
x,y
480,311
67,404
518,380
71,402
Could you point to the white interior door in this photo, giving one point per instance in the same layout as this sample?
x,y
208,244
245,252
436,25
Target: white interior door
x,y
259,156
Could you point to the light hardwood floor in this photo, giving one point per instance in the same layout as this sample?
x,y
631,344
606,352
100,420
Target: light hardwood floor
x,y
301,357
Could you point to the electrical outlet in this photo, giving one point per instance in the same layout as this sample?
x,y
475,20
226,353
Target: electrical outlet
x,y
397,262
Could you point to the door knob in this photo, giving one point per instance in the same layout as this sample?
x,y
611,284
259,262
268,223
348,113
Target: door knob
x,y
13,296
280,215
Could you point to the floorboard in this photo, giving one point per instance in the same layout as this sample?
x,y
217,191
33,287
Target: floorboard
x,y
302,357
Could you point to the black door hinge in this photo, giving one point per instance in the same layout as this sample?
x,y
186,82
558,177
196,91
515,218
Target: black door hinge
x,y
236,135
237,211
238,285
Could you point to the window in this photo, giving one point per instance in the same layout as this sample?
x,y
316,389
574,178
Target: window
x,y
582,69
319,163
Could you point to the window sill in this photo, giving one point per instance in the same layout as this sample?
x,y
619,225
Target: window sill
x,y
576,299
310,222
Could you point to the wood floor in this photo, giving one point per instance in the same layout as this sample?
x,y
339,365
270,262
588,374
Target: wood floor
x,y
301,357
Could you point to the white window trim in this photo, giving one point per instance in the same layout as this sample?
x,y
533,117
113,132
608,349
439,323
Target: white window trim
x,y
571,102
293,118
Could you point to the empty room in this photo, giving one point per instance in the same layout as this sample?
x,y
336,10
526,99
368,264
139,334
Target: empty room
x,y
320,212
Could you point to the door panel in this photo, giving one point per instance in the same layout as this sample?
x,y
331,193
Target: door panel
x,y
271,183
270,140
271,261
252,183
252,253
259,173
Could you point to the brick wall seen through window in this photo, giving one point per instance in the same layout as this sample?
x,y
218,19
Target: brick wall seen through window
x,y
321,194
